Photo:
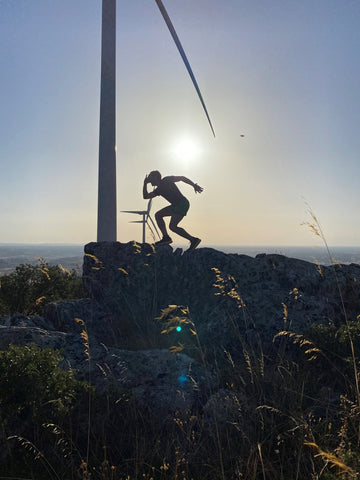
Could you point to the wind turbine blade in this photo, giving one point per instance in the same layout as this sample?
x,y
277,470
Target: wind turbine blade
x,y
183,56
139,212
152,221
151,230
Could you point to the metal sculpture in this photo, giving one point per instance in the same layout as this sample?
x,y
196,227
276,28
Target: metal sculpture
x,y
107,223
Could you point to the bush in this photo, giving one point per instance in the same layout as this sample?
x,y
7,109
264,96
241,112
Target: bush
x,y
33,386
35,395
30,287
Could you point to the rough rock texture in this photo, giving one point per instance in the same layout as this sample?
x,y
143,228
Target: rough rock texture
x,y
229,296
135,282
158,379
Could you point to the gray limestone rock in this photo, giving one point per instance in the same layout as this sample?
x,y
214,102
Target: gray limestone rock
x,y
157,379
227,294
224,299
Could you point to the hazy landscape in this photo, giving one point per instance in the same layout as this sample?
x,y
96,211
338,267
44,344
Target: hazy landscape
x,y
14,254
70,256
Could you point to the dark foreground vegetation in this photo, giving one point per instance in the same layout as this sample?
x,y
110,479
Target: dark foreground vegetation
x,y
30,287
288,409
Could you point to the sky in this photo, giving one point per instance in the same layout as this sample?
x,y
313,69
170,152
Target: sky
x,y
280,79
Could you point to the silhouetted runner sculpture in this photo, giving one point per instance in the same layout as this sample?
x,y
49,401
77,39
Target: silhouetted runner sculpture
x,y
178,208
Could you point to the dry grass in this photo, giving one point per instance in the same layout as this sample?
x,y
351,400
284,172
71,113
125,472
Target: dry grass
x,y
274,415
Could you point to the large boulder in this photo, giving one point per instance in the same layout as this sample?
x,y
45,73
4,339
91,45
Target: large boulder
x,y
156,379
145,301
225,293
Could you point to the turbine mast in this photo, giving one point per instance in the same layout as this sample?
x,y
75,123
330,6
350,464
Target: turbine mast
x,y
106,224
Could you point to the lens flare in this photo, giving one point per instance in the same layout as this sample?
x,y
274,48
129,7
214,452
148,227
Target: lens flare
x,y
182,379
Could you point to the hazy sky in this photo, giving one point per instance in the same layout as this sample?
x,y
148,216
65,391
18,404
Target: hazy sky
x,y
284,73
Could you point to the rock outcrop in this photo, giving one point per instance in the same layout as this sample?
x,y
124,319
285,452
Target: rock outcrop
x,y
135,282
221,298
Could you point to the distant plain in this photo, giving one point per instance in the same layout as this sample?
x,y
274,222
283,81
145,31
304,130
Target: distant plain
x,y
70,256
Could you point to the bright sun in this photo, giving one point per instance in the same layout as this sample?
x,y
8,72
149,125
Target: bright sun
x,y
186,151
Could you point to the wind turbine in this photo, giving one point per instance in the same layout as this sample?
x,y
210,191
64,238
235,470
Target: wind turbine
x,y
106,226
145,220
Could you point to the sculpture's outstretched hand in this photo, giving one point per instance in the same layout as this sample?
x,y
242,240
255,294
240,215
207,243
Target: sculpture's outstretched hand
x,y
197,188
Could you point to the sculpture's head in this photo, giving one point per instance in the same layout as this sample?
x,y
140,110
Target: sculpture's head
x,y
154,178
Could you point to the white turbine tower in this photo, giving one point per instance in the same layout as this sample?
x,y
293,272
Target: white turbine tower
x,y
106,226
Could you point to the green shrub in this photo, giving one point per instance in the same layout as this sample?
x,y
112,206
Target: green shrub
x,y
37,398
30,287
33,387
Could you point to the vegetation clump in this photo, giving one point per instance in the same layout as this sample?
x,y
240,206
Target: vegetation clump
x,y
30,287
37,397
285,409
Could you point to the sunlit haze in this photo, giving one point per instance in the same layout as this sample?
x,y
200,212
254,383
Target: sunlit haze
x,y
280,81
186,152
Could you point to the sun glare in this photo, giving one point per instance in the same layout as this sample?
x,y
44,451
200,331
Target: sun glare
x,y
186,151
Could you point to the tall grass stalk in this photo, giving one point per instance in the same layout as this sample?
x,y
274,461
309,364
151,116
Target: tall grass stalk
x,y
316,228
85,336
38,455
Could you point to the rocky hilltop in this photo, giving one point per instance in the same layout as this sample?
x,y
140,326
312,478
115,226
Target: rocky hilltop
x,y
215,300
135,282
